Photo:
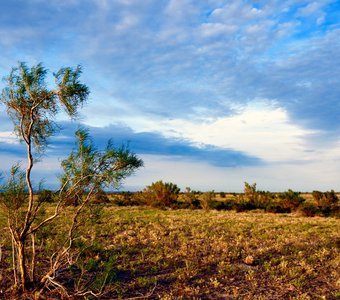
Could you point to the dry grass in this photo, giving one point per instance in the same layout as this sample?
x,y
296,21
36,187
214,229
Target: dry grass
x,y
221,255
181,254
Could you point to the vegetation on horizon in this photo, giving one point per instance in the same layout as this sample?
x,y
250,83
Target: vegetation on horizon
x,y
167,195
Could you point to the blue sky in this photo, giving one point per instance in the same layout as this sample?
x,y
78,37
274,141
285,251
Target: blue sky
x,y
209,93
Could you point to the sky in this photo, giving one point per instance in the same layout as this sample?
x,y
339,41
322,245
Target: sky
x,y
209,93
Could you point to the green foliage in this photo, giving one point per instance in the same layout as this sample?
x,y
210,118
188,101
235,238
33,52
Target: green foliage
x,y
101,197
128,199
309,209
46,196
32,106
160,194
277,207
190,199
13,191
221,205
253,198
327,202
206,200
291,200
89,170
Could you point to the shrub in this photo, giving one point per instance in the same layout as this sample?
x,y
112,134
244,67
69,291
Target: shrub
x,y
206,200
291,200
101,197
309,209
129,199
46,196
221,205
253,199
278,208
190,199
160,194
326,202
244,204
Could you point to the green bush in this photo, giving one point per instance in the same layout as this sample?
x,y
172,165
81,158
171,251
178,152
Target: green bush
x,y
206,200
309,209
291,200
101,197
277,207
221,205
190,200
128,199
46,196
243,204
327,203
160,194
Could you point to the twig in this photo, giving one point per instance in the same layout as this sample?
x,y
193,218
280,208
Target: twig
x,y
146,296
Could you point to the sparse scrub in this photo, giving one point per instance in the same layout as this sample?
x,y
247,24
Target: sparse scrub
x,y
253,199
183,254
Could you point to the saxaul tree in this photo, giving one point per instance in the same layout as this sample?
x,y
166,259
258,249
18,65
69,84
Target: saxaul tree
x,y
33,106
86,171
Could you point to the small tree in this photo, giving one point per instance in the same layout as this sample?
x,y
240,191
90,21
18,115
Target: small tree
x,y
86,172
32,106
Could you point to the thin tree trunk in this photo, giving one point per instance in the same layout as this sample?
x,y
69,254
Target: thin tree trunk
x,y
33,258
22,265
14,262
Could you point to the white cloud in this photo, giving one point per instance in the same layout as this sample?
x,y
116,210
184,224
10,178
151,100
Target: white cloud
x,y
8,137
261,131
312,8
179,9
204,177
12,36
127,22
214,29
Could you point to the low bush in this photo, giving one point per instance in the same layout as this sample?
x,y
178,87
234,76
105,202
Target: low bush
x,y
128,199
278,208
206,200
309,209
101,197
327,202
160,194
189,200
244,204
46,196
291,200
221,205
